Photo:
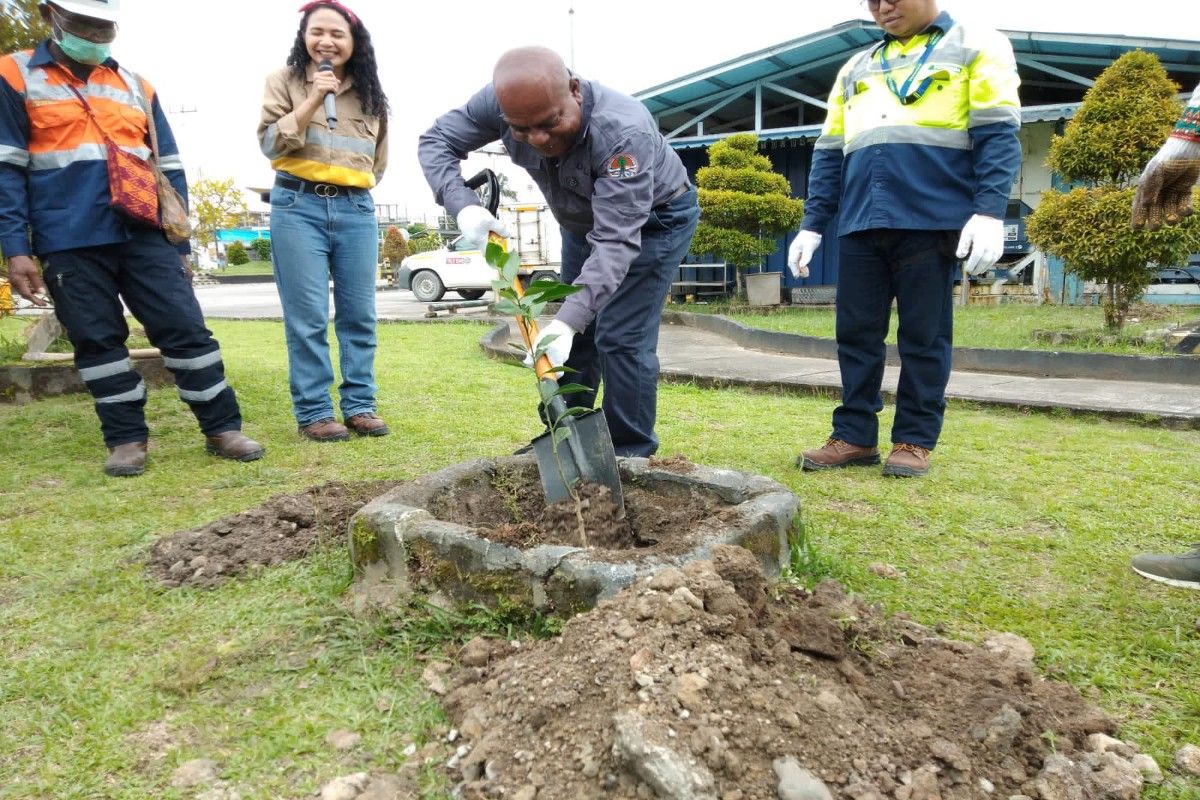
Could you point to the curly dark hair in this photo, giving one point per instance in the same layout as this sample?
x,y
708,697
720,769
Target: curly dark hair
x,y
361,66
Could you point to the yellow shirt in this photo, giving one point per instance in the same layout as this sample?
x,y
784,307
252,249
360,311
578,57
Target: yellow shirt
x,y
353,154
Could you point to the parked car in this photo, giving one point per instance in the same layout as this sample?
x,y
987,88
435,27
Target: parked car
x,y
462,269
1175,286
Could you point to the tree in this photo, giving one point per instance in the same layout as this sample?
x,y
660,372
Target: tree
x,y
21,25
1123,121
744,204
395,246
235,254
422,238
215,204
506,191
262,248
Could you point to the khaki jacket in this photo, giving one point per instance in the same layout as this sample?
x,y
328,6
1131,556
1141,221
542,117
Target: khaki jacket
x,y
353,154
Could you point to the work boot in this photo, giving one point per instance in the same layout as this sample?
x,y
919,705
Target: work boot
x,y
907,461
837,453
126,460
325,430
1182,571
234,445
367,423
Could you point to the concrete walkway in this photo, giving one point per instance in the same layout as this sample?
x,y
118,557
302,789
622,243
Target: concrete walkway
x,y
689,354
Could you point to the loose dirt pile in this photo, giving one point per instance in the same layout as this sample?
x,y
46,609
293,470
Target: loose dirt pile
x,y
285,528
698,684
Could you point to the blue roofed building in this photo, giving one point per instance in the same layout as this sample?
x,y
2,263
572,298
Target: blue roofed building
x,y
780,92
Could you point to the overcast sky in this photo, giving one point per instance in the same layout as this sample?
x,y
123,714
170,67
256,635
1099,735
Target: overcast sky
x,y
208,60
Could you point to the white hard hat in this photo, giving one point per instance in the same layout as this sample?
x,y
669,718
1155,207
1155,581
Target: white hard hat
x,y
107,10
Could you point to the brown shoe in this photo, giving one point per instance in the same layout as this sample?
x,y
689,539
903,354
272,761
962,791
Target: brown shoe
x,y
367,423
907,461
234,445
837,453
325,430
126,460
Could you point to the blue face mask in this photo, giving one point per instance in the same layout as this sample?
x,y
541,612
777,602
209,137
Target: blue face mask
x,y
79,49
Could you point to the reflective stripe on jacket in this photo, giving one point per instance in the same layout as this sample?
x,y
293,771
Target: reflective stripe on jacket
x,y
353,154
53,157
932,162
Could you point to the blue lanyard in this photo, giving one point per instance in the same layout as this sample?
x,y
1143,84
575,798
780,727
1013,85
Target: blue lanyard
x,y
902,92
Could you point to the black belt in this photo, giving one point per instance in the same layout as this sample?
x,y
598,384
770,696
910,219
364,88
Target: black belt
x,y
319,189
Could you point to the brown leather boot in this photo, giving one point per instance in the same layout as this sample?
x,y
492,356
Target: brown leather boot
x,y
837,453
234,445
907,461
126,460
367,423
325,430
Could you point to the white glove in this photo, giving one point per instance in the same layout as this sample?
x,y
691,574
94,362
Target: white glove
x,y
556,350
801,252
983,238
474,222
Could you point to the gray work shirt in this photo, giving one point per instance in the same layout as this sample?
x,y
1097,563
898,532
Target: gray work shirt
x,y
603,188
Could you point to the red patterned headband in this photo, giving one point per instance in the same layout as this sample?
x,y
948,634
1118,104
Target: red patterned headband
x,y
307,7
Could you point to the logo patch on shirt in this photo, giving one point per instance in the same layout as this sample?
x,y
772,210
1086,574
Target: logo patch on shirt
x,y
622,165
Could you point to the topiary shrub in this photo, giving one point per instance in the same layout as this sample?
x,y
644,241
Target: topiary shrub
x,y
744,204
1124,119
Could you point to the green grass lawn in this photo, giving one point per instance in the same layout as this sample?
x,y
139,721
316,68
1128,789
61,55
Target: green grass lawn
x,y
107,682
249,268
1007,327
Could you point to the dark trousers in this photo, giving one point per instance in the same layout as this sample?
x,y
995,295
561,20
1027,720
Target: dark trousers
x,y
88,285
619,348
916,269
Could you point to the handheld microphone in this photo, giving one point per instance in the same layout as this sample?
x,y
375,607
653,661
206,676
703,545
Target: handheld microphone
x,y
330,99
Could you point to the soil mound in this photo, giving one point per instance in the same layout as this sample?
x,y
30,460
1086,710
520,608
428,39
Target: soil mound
x,y
285,528
705,683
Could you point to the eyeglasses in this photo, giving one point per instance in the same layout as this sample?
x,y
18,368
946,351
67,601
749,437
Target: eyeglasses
x,y
875,4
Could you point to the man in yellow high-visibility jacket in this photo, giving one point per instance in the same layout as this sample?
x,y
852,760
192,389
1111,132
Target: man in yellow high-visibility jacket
x,y
916,159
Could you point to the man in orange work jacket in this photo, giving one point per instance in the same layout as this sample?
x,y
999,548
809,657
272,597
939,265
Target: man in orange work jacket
x,y
62,105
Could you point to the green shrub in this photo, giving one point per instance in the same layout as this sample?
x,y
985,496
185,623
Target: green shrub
x,y
262,248
236,254
1124,119
744,205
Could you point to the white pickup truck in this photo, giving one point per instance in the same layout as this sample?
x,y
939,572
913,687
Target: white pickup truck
x,y
461,269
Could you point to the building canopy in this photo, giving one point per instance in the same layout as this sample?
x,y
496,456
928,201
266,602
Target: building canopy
x,y
780,92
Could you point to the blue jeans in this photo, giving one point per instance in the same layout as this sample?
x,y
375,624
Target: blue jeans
x,y
315,239
917,269
619,348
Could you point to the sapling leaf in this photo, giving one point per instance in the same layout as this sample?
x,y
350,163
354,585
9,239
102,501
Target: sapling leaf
x,y
572,388
494,255
507,307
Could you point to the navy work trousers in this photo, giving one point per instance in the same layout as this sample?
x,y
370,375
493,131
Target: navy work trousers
x,y
88,286
619,348
916,269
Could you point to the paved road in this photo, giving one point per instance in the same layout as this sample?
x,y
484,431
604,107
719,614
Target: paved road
x,y
261,300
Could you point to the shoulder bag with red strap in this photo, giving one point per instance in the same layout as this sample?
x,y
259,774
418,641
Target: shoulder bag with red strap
x,y
132,189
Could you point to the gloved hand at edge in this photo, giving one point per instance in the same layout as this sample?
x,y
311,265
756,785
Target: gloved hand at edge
x,y
801,252
474,222
559,348
981,243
